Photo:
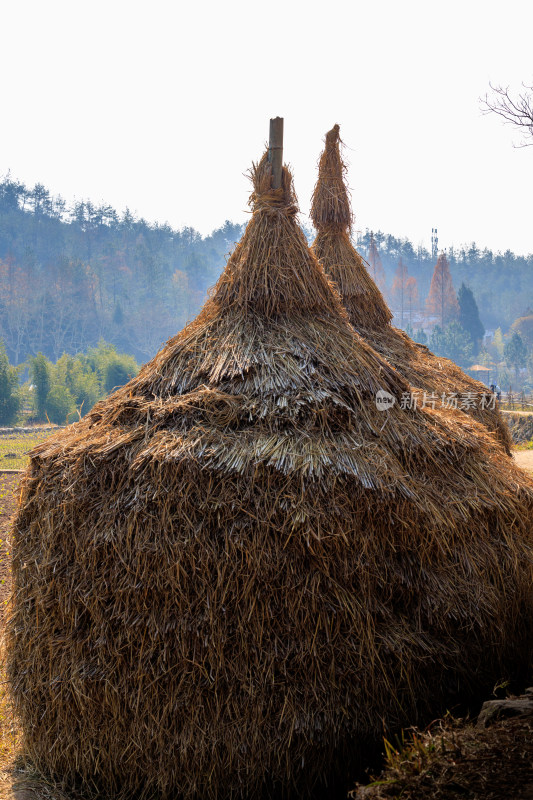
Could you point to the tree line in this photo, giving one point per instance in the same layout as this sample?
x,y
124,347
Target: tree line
x,y
60,392
501,282
72,275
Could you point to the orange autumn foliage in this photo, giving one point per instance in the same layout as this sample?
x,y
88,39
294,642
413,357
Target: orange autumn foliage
x,y
442,299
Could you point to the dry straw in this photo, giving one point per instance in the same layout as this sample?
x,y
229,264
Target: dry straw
x,y
367,309
232,573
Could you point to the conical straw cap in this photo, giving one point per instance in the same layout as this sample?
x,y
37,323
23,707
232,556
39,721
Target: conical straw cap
x,y
332,217
330,206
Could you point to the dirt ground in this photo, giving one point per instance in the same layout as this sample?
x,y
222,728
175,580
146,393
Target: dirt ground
x,y
524,459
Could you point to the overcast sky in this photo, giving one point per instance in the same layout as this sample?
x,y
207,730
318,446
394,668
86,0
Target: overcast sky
x,y
161,106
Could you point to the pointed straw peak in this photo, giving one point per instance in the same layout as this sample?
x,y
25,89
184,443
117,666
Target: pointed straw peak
x,y
272,271
264,196
330,205
333,137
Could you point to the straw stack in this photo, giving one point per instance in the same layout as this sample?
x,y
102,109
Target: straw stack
x,y
235,570
368,311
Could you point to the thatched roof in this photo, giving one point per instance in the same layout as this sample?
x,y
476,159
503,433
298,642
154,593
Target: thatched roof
x,y
236,569
367,309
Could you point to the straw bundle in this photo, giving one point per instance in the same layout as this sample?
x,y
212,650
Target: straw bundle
x,y
367,309
232,572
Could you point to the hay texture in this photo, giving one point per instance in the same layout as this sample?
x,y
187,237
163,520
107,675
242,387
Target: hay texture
x,y
366,306
232,573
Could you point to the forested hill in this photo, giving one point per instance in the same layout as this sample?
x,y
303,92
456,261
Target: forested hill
x,y
70,276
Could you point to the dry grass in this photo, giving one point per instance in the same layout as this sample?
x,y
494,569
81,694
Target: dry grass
x,y
14,448
9,731
18,778
367,309
236,570
455,759
520,426
361,297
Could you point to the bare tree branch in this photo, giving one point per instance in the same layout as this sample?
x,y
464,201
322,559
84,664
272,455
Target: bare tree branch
x,y
516,111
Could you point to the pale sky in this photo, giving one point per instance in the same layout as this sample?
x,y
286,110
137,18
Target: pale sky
x,y
161,106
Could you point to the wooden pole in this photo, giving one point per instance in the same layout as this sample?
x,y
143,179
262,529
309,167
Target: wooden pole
x,y
275,150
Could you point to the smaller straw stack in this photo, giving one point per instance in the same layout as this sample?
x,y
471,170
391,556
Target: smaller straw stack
x,y
366,307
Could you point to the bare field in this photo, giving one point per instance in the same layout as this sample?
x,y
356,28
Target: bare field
x,y
14,448
524,459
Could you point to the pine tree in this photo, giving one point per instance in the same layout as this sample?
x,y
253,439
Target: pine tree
x,y
442,300
469,316
453,342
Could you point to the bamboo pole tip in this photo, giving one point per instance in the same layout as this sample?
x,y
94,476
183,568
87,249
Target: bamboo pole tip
x,y
275,150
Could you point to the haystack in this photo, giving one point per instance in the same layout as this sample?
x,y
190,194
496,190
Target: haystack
x,y
232,573
368,311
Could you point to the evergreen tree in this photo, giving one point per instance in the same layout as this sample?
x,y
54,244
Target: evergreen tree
x,y
10,400
420,336
515,353
469,316
452,342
